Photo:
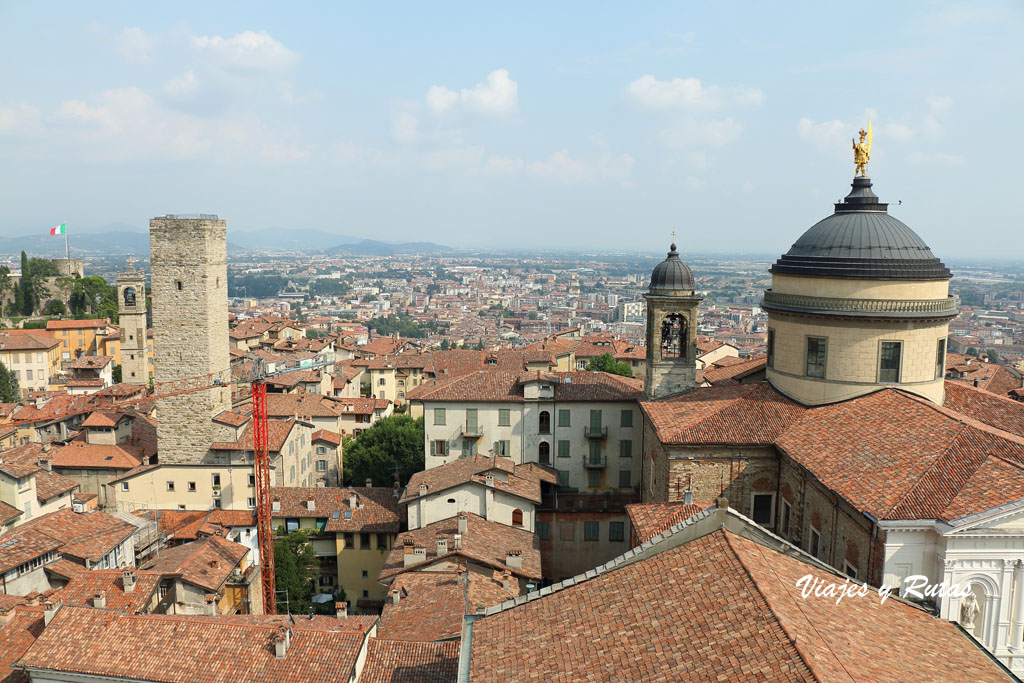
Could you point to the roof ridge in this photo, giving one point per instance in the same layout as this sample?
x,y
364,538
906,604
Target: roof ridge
x,y
967,419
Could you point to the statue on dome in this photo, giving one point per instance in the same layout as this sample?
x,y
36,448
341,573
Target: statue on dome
x,y
862,152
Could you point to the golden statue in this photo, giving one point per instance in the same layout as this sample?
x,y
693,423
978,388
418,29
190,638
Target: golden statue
x,y
862,152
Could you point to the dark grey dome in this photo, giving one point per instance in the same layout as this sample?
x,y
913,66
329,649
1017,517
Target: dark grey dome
x,y
671,274
861,240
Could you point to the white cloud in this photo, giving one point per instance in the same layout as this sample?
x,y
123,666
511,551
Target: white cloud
x,y
182,85
563,168
405,127
18,118
825,135
453,157
249,50
134,44
689,94
497,95
500,166
690,133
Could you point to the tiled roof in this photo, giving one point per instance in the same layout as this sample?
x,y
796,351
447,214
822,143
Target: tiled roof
x,y
432,603
484,542
179,525
378,514
277,434
77,454
104,418
206,562
180,649
730,370
83,587
720,607
65,568
313,405
27,342
17,636
995,411
327,436
402,661
504,386
90,362
522,482
85,535
233,419
76,324
7,512
21,544
362,406
991,377
650,519
50,485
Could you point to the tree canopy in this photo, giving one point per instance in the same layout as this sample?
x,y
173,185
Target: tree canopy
x,y
395,441
606,363
296,569
91,295
9,390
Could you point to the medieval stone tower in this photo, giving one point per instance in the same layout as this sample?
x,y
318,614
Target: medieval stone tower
x,y
131,312
188,256
671,329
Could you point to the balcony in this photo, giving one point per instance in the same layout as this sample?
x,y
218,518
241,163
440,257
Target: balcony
x,y
471,431
595,462
593,432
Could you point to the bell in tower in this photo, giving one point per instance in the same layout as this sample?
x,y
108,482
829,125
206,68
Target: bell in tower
x,y
131,312
671,329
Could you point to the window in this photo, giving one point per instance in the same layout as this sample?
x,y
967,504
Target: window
x,y
784,523
320,450
504,417
595,452
170,486
28,374
191,487
815,542
321,465
544,530
616,531
544,422
627,418
940,359
625,479
517,517
366,594
366,574
625,448
124,486
439,416
594,479
889,361
382,541
770,362
563,448
216,503
364,541
252,480
251,502
178,284
595,420
849,570
563,418
350,540
502,448
591,531
439,447
762,506
216,481
381,382
563,478
467,447
816,352
471,420
544,453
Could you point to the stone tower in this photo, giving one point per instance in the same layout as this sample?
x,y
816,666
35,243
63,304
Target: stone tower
x,y
188,256
857,304
671,329
131,313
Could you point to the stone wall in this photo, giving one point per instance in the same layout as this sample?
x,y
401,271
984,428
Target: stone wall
x,y
670,376
189,284
132,321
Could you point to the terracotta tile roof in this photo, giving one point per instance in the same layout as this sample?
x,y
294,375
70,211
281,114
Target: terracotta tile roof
x,y
992,377
77,454
16,637
995,411
104,418
503,386
179,525
231,418
432,604
521,482
230,518
27,342
327,436
180,649
76,324
730,370
277,434
50,485
484,542
378,514
23,461
362,406
402,661
84,535
727,608
21,544
206,562
650,519
65,568
90,362
313,405
7,512
83,587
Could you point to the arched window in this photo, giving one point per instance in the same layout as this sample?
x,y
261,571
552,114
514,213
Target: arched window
x,y
129,296
544,423
544,453
517,517
673,336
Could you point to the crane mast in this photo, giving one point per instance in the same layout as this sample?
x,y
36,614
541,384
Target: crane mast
x,y
261,464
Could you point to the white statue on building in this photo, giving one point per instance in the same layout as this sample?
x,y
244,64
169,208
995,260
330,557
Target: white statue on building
x,y
969,609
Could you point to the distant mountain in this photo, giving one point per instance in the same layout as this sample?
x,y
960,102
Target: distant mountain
x,y
288,239
376,248
82,244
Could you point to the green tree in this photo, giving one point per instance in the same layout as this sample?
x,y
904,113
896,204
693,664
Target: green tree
x,y
993,357
93,296
26,304
973,352
54,307
5,286
10,392
606,363
445,344
395,441
116,374
533,315
295,570
43,267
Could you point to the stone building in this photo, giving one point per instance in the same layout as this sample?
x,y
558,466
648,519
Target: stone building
x,y
131,310
671,329
188,257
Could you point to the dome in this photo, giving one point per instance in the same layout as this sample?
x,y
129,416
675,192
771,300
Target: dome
x,y
861,240
671,274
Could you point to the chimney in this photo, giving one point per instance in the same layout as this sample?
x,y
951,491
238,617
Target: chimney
x,y
514,559
408,551
311,504
44,463
419,554
506,580
369,483
975,381
341,609
463,524
423,490
687,497
396,595
490,480
442,545
211,604
99,601
353,501
275,506
50,608
128,580
281,640
457,542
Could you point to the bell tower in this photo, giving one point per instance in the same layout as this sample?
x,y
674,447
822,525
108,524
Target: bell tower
x,y
131,313
671,329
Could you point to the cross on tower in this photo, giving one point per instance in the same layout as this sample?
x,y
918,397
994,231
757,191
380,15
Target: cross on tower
x,y
673,237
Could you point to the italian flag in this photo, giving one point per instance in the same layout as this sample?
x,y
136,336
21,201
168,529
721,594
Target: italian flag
x,y
59,230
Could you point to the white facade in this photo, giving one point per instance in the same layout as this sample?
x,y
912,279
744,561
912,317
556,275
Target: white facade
x,y
984,552
470,496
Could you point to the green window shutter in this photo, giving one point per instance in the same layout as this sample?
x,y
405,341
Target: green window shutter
x,y
433,448
439,416
595,420
595,450
627,418
563,418
625,478
625,448
504,415
563,449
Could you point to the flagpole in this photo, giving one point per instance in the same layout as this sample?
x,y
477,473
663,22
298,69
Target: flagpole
x,y
67,249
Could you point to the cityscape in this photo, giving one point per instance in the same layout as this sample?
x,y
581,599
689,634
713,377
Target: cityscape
x,y
656,433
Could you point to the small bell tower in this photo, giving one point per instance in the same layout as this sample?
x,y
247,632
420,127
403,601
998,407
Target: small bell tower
x,y
131,311
671,329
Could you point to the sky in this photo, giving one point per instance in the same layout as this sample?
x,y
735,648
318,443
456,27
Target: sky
x,y
583,125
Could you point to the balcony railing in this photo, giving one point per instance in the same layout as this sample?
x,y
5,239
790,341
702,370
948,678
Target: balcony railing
x,y
592,432
472,431
595,462
886,308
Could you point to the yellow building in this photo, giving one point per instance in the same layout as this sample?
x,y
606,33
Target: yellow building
x,y
351,531
78,337
33,356
110,345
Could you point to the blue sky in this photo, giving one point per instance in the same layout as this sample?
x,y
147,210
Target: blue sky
x,y
584,125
